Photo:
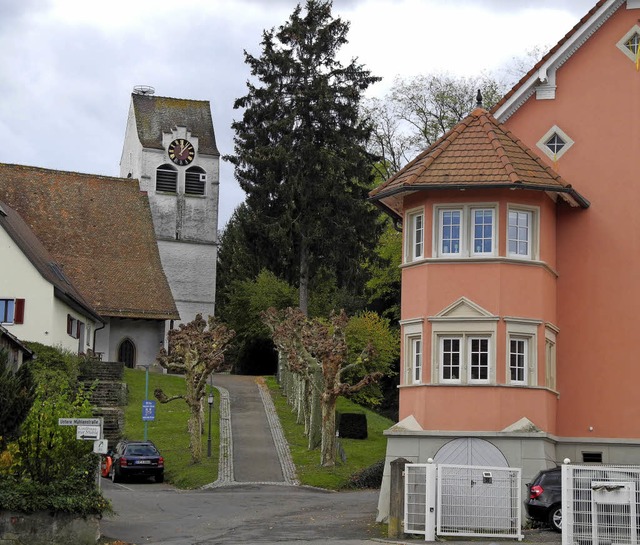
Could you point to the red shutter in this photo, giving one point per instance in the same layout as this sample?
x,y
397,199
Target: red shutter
x,y
18,313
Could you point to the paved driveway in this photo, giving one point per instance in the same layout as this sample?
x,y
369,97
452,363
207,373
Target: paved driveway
x,y
148,513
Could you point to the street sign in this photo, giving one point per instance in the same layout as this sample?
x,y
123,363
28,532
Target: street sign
x,y
88,433
100,446
79,421
148,410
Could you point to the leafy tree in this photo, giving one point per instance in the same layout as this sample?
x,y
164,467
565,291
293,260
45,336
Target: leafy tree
x,y
368,333
248,299
47,451
419,110
383,286
318,351
17,392
300,149
196,350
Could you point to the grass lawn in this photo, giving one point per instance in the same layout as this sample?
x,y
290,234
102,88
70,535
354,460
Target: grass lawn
x,y
360,453
169,430
169,433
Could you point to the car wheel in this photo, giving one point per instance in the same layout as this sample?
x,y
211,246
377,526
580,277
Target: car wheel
x,y
555,518
160,478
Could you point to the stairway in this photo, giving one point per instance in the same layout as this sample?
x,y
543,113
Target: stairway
x,y
109,396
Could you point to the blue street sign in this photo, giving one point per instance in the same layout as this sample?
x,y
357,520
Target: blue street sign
x,y
148,410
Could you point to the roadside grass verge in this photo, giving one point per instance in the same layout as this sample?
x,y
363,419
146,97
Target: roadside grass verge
x,y
169,430
360,453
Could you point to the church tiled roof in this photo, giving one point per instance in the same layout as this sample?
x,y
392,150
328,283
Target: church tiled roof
x,y
480,153
99,230
156,115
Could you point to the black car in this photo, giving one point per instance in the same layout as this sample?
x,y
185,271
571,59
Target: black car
x,y
136,458
545,494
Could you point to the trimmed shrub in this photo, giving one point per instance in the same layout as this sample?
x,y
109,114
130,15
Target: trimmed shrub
x,y
369,477
351,425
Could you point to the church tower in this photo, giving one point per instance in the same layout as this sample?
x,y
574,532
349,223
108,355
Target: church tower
x,y
170,148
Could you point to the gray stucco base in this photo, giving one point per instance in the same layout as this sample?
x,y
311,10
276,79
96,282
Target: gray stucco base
x,y
44,528
530,451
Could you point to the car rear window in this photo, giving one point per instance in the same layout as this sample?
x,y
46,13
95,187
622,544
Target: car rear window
x,y
140,450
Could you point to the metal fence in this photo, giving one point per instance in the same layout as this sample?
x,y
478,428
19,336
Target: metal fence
x,y
457,500
600,504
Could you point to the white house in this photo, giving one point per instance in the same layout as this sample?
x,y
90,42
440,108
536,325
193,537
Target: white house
x,y
38,302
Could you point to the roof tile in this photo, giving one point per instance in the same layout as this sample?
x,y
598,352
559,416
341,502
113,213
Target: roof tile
x,y
99,229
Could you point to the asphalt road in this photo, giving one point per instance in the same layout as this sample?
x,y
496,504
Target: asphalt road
x,y
149,513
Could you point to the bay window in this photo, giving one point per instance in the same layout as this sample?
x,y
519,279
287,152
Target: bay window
x,y
465,231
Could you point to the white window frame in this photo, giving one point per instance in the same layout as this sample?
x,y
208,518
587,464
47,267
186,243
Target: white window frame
x,y
622,44
542,143
414,240
467,238
416,351
526,330
412,334
532,239
465,354
521,355
464,320
550,357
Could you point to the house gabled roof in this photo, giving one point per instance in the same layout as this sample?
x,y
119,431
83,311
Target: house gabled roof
x,y
157,115
541,78
99,229
42,260
477,153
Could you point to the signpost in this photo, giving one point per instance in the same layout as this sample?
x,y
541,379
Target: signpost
x,y
88,429
88,433
148,410
100,446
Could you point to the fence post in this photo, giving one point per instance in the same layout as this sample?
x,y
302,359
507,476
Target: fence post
x,y
431,502
396,498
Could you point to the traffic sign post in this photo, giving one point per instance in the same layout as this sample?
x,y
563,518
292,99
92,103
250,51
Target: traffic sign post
x,y
88,433
148,410
89,429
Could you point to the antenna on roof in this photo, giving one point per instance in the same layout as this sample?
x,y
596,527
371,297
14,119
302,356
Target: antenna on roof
x,y
479,99
143,90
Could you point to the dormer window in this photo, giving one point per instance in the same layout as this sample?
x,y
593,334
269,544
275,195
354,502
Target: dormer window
x,y
555,143
167,179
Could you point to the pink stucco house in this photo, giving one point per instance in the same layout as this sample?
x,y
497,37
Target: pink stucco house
x,y
521,266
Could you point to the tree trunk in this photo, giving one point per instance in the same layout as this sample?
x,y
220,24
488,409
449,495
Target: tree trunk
x,y
315,419
195,435
304,276
328,449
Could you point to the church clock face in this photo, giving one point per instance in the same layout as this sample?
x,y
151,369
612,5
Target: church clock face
x,y
181,151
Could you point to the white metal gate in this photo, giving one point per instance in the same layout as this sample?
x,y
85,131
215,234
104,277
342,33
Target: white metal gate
x,y
457,500
600,504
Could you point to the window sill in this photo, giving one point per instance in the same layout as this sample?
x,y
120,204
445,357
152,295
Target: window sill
x,y
478,259
480,385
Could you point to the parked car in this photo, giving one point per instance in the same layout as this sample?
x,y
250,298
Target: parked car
x,y
135,458
545,498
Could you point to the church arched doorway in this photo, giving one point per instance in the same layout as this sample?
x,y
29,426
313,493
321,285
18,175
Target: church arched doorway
x,y
127,353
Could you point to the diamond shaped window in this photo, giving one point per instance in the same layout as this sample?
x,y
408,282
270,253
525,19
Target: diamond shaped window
x,y
555,143
630,44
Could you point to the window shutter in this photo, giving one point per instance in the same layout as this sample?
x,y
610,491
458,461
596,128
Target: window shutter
x,y
69,325
18,315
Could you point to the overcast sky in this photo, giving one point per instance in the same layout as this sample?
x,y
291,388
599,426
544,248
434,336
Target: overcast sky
x,y
68,67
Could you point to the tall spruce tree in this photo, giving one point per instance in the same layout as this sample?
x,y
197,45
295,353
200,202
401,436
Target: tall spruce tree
x,y
300,151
